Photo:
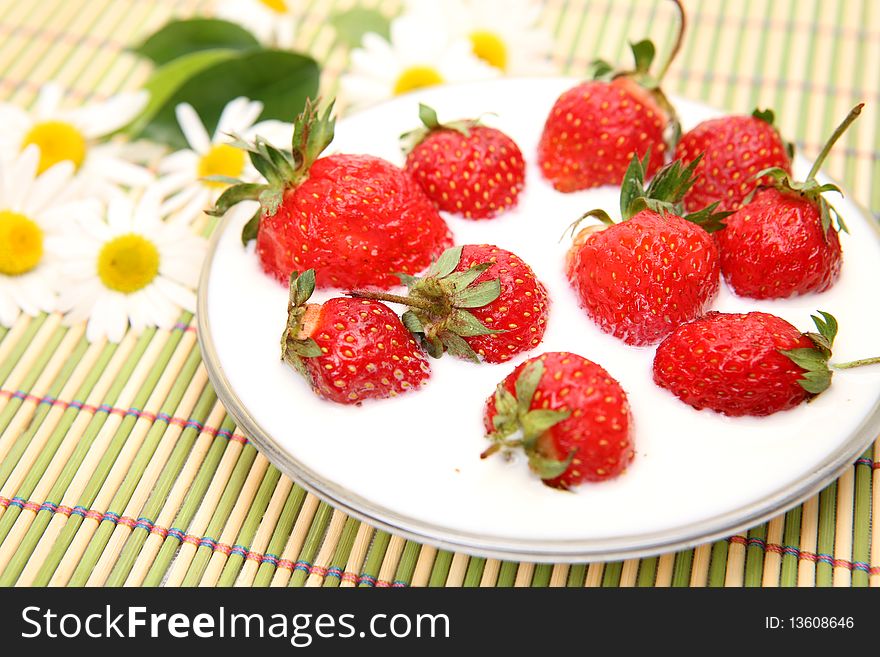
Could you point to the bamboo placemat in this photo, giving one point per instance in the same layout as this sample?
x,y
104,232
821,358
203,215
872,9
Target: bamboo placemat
x,y
118,466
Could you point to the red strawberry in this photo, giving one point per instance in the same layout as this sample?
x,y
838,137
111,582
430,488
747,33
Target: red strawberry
x,y
350,349
477,302
641,278
783,243
356,219
752,364
734,149
569,416
597,127
466,168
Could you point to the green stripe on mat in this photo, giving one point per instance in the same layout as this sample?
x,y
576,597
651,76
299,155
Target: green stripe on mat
x,y
250,526
279,538
221,514
139,465
190,505
725,33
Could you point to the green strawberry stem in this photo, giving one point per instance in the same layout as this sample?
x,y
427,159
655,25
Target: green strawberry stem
x,y
439,304
857,363
852,116
430,123
517,425
663,194
293,347
391,298
282,169
682,25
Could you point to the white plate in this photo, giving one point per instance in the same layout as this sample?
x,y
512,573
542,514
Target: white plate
x,y
411,464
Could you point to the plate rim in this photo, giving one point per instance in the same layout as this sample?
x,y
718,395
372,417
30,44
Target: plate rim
x,y
541,551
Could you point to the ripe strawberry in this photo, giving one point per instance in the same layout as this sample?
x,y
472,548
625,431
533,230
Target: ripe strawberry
x,y
569,416
745,364
355,219
466,168
783,242
641,278
597,127
350,349
734,149
477,302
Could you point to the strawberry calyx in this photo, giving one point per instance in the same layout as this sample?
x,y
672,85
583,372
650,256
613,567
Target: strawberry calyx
x,y
644,53
517,426
282,169
665,193
295,341
814,360
768,116
438,304
817,377
430,123
810,188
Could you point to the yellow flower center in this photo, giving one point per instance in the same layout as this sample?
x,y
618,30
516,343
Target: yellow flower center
x,y
490,48
416,77
128,263
221,160
279,6
21,243
58,141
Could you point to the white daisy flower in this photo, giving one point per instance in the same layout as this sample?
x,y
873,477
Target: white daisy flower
x,y
271,21
33,207
503,33
183,173
75,135
128,266
420,54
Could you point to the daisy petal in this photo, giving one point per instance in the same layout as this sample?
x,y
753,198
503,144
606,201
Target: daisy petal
x,y
9,312
193,128
48,100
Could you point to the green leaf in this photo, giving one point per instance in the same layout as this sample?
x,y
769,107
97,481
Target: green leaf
x,y
166,80
643,54
479,295
446,263
527,383
805,357
458,347
536,422
549,468
633,184
251,228
412,322
460,280
353,24
816,381
179,38
406,279
766,115
464,324
602,70
841,225
428,116
234,195
708,218
307,348
777,173
270,200
209,79
826,325
305,286
505,403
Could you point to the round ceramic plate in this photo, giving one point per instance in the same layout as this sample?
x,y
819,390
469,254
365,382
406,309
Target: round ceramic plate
x,y
412,464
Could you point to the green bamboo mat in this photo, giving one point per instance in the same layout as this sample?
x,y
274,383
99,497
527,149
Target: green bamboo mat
x,y
119,466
